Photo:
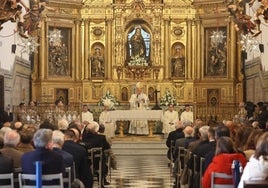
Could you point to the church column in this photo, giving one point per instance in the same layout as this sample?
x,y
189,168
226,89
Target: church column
x,y
233,48
167,49
189,46
86,55
109,47
42,51
78,59
197,51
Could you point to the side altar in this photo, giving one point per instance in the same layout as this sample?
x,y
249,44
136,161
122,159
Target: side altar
x,y
145,115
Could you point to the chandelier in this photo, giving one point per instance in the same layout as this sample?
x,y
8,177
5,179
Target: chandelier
x,y
55,37
249,43
217,37
29,45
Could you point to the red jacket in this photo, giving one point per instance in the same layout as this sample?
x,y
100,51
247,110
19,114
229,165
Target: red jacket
x,y
222,163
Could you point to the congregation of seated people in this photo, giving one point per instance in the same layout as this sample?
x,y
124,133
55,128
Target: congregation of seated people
x,y
213,147
57,147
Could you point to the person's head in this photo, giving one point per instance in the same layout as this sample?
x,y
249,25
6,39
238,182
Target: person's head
x,y
32,103
262,147
179,125
59,102
187,108
57,138
22,106
93,127
224,145
253,139
171,107
187,123
11,138
203,131
63,124
188,131
18,125
26,136
69,134
222,130
85,108
139,88
43,138
47,125
77,133
211,132
138,31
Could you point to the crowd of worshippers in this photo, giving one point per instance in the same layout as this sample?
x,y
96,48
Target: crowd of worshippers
x,y
219,144
56,146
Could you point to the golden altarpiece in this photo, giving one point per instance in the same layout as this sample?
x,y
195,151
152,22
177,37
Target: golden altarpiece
x,y
95,53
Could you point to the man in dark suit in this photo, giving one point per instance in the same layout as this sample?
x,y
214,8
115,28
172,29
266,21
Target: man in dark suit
x,y
52,162
57,143
80,156
92,139
6,166
173,136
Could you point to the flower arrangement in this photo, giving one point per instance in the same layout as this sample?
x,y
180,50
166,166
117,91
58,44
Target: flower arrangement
x,y
108,100
167,99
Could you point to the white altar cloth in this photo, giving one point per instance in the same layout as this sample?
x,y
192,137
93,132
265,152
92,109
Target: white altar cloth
x,y
124,115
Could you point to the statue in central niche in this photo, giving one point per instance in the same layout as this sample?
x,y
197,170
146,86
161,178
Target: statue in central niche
x,y
138,47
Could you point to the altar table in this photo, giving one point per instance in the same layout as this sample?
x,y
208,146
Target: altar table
x,y
143,115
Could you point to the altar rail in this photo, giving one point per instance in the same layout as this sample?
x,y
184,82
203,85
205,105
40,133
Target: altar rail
x,y
201,110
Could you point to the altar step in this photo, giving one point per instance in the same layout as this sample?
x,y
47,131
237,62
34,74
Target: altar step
x,y
139,146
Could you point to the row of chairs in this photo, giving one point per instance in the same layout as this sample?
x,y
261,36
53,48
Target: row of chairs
x,y
97,154
93,154
9,180
197,172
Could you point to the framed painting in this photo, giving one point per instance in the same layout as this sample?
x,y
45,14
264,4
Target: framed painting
x,y
62,94
215,51
59,51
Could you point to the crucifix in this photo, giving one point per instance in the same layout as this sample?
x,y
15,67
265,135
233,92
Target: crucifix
x,y
156,106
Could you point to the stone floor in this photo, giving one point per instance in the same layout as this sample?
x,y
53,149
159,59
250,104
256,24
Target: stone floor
x,y
141,172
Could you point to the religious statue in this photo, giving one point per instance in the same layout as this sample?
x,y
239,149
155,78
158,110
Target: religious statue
x,y
137,51
137,44
97,63
217,59
58,59
10,10
31,20
178,63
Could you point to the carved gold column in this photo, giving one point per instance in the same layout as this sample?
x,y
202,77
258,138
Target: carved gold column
x,y
166,49
234,52
189,45
109,47
42,50
85,44
198,50
77,50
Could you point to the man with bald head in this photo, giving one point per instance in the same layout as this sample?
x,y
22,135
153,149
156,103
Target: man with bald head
x,y
11,140
188,132
173,136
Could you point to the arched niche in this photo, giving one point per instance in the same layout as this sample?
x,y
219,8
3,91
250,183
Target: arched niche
x,y
97,61
178,60
135,54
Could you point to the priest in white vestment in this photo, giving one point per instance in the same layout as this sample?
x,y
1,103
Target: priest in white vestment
x,y
170,117
138,101
86,115
187,115
105,119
